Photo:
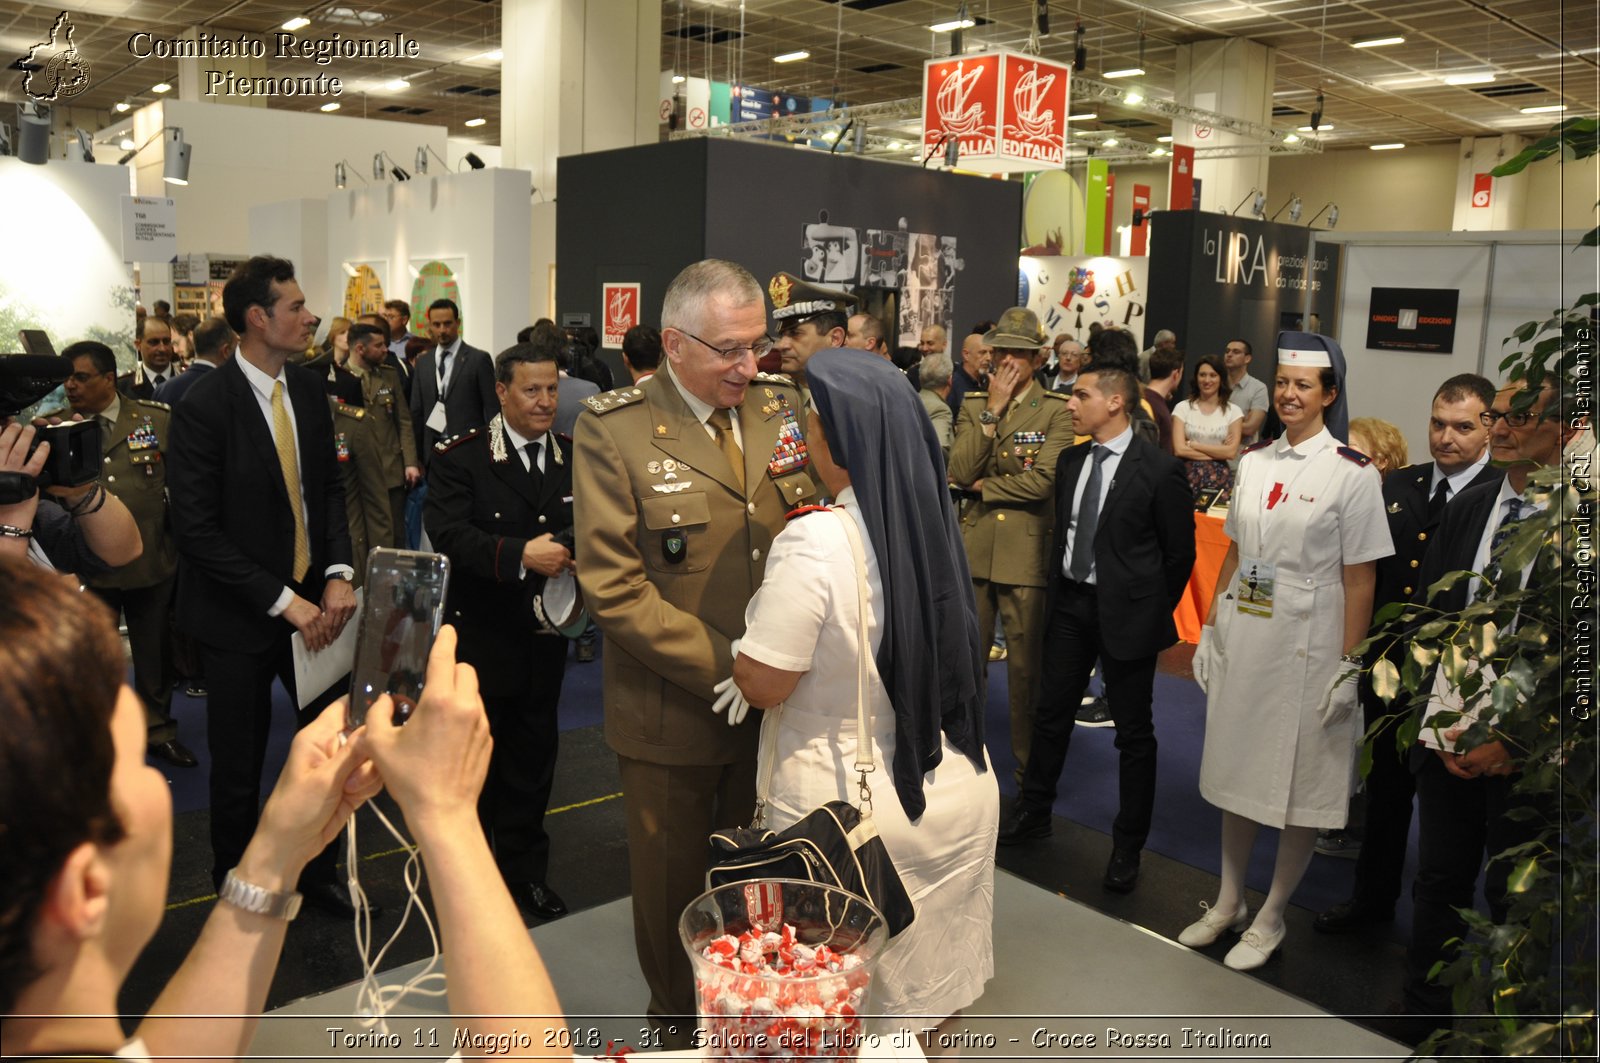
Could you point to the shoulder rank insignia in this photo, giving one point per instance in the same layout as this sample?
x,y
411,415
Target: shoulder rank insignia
x,y
966,396
445,444
1352,454
1255,446
800,511
153,404
775,378
1057,395
615,399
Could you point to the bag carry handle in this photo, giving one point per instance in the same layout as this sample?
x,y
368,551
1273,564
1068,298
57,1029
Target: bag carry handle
x,y
864,761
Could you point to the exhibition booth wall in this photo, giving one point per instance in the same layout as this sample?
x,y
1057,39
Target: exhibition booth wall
x,y
1493,282
948,242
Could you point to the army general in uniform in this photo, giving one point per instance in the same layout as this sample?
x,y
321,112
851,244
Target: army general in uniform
x,y
134,436
681,483
1003,460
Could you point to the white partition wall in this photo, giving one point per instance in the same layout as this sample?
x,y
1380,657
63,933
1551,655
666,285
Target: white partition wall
x,y
1503,280
477,223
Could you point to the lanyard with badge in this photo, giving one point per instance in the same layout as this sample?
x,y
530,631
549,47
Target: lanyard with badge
x,y
1257,579
436,418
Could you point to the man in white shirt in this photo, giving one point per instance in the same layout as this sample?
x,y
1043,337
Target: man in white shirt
x,y
1246,392
1465,801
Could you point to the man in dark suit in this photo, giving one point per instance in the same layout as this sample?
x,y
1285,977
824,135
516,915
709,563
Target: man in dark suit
x,y
259,514
500,507
213,345
1415,498
1466,806
454,388
1120,558
154,367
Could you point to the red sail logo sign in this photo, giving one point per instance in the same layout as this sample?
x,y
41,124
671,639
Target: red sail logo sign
x,y
1006,110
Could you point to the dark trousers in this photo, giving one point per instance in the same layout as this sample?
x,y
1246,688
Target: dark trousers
x,y
238,720
149,614
672,809
1386,826
1460,822
416,500
1073,639
522,767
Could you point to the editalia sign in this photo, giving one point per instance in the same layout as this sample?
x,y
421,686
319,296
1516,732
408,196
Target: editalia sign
x,y
621,303
1006,110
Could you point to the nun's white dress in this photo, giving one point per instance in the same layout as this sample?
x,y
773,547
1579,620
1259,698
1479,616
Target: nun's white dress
x,y
1299,515
804,619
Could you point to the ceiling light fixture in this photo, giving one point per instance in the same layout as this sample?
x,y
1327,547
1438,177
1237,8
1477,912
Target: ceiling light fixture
x,y
1158,153
1294,204
175,163
1085,117
1165,139
122,106
1547,108
678,79
161,86
792,57
1260,202
397,85
341,173
329,107
299,22
1333,215
33,132
423,151
1377,42
1386,147
1125,72
493,56
395,171
953,25
474,123
1481,77
1133,97
126,144
1323,128
1291,138
1110,142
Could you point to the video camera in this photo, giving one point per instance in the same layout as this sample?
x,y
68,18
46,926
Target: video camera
x,y
75,446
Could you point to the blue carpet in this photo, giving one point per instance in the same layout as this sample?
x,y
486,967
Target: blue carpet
x,y
1185,828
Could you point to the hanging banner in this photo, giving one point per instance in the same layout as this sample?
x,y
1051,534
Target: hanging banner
x,y
1141,220
1095,222
1111,199
149,229
1006,110
1482,187
1182,181
697,103
621,302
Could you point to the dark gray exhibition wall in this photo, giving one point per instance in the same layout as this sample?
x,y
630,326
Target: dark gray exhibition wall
x,y
1214,278
643,213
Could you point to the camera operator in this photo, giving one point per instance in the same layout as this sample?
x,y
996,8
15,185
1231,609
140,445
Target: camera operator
x,y
86,840
83,530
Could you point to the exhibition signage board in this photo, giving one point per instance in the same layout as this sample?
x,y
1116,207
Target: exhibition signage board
x,y
1214,278
149,229
1070,293
621,303
1182,182
1413,319
1006,110
1141,219
1095,191
1482,189
1111,198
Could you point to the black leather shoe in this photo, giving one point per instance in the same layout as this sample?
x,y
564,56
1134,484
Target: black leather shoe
x,y
1024,825
537,899
1122,871
173,752
334,899
1350,915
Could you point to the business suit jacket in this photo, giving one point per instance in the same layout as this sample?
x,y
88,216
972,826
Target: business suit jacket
x,y
481,511
1143,545
668,623
469,400
176,388
1405,499
1007,531
230,508
1455,547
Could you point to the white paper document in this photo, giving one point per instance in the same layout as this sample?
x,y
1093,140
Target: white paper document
x,y
314,673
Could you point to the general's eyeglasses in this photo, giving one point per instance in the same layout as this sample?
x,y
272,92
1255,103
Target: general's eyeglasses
x,y
1513,420
760,348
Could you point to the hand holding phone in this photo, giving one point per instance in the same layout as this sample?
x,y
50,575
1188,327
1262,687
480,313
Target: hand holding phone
x,y
405,594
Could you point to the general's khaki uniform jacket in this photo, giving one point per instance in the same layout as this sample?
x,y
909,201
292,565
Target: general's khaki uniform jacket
x,y
390,418
670,551
135,470
1007,531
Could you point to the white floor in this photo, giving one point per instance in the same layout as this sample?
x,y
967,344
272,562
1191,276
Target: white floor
x,y
1070,983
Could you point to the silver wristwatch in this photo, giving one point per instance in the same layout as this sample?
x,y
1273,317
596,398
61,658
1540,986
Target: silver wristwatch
x,y
259,900
988,417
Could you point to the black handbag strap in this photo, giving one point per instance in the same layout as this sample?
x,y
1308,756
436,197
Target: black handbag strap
x,y
864,760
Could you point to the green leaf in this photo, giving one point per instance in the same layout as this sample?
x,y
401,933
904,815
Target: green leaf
x,y
1433,629
1484,638
1503,695
1425,656
1364,760
1529,1040
1385,679
1524,333
1590,238
1522,876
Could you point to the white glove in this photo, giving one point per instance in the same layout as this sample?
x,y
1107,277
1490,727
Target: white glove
x,y
728,695
1206,658
1341,698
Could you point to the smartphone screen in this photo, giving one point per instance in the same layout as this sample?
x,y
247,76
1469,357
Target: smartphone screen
x,y
404,606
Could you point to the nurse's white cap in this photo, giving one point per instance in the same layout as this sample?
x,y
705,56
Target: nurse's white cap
x,y
1315,357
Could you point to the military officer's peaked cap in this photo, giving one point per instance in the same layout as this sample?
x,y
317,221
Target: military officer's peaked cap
x,y
795,300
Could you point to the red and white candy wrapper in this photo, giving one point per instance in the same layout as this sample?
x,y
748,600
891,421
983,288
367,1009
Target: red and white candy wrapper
x,y
765,997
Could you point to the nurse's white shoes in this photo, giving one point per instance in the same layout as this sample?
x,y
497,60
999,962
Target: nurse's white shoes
x,y
1254,949
1209,927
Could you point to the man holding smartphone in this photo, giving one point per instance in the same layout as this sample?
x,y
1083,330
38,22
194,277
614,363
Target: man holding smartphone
x,y
500,507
